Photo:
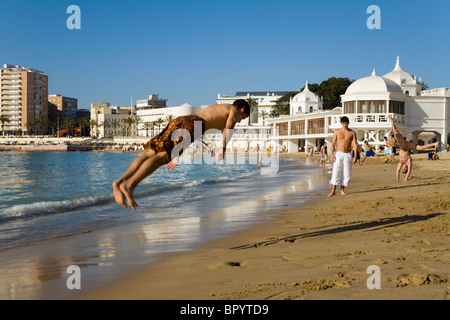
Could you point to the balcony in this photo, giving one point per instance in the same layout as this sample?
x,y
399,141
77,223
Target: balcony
x,y
368,120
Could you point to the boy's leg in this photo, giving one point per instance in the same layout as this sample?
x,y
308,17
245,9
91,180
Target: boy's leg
x,y
147,167
118,195
435,145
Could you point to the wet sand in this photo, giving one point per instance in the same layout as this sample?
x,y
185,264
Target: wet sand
x,y
322,250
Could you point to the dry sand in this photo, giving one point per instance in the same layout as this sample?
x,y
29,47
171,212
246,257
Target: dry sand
x,y
322,250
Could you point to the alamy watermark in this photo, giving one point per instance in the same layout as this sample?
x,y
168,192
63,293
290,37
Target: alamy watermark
x,y
374,21
196,151
74,280
374,280
74,20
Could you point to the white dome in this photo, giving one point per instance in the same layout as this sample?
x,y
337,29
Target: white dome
x,y
306,95
400,76
373,84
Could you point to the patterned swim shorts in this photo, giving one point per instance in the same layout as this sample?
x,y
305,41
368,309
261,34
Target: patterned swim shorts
x,y
170,136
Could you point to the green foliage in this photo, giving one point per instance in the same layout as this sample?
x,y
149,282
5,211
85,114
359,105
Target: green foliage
x,y
329,90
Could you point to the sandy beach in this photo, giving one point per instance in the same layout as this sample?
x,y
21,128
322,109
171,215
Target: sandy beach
x,y
323,249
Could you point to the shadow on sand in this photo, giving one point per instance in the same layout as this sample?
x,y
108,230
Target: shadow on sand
x,y
369,226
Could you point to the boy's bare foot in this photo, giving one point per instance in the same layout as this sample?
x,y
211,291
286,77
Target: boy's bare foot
x,y
118,195
332,193
343,193
129,195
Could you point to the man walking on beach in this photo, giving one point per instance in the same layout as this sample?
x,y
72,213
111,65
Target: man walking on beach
x,y
344,140
323,154
405,163
168,145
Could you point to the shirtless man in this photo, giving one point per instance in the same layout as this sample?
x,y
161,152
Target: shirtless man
x,y
345,139
405,163
165,147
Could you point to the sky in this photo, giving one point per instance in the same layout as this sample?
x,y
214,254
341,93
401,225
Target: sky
x,y
191,51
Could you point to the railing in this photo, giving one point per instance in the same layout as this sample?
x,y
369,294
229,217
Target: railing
x,y
368,119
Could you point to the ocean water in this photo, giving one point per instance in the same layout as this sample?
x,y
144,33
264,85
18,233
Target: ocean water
x,y
57,209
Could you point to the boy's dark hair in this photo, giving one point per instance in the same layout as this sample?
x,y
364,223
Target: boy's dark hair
x,y
345,119
241,103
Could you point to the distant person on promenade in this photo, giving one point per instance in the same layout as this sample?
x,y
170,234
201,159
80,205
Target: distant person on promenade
x,y
168,145
323,154
405,163
344,140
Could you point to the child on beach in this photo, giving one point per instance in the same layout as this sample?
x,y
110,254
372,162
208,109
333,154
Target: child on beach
x,y
165,147
345,139
405,163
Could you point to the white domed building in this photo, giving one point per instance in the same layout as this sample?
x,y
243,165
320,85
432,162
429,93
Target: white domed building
x,y
305,102
421,116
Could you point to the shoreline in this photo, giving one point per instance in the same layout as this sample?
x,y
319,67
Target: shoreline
x,y
321,250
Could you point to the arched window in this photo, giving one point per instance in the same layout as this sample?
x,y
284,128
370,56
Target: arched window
x,y
299,109
311,109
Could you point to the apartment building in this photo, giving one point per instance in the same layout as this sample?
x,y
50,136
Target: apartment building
x,y
23,99
67,107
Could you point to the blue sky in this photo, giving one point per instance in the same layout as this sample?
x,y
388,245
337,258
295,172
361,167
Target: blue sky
x,y
189,51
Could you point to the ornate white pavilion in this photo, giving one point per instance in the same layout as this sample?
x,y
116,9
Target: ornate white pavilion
x,y
421,116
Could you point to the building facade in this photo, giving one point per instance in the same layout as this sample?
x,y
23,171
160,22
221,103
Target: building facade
x,y
265,100
109,122
421,116
67,107
23,99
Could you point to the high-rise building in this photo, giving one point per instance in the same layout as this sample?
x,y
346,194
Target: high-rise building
x,y
67,106
23,99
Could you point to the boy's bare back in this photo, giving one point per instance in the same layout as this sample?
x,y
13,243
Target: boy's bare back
x,y
218,115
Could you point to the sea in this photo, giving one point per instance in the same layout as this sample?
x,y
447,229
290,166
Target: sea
x,y
57,213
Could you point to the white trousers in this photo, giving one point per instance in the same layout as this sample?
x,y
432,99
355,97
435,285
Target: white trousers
x,y
342,169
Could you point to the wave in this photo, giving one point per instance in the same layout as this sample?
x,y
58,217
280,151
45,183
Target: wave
x,y
53,207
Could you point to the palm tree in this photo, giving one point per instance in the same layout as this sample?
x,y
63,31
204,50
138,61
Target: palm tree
x,y
83,123
52,125
253,104
93,125
31,126
129,122
264,114
69,124
114,124
4,119
147,126
42,119
137,120
105,124
159,122
168,118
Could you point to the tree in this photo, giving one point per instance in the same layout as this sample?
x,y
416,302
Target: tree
x,y
42,119
424,86
282,105
137,120
264,114
68,124
128,122
83,123
31,126
159,122
105,124
331,90
3,120
93,125
114,124
253,104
